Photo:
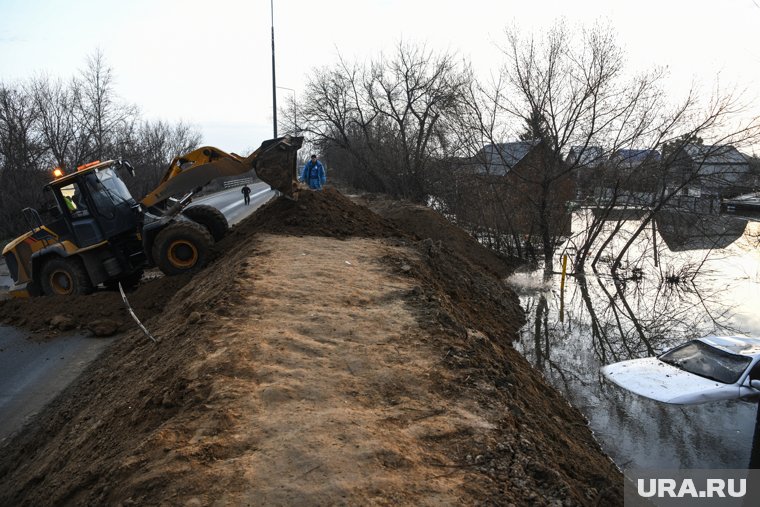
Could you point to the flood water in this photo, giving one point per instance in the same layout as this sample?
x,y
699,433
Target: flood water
x,y
571,334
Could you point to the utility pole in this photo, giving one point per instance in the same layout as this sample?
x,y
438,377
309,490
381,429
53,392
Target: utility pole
x,y
274,81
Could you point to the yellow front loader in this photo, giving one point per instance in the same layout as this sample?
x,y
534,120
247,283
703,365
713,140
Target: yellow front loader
x,y
101,235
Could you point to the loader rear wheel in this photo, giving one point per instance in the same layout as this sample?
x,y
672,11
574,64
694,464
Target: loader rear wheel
x,y
65,277
210,218
183,247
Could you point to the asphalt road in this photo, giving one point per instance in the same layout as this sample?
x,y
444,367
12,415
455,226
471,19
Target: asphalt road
x,y
230,202
33,373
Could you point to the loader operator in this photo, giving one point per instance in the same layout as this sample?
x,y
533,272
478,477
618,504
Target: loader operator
x,y
313,173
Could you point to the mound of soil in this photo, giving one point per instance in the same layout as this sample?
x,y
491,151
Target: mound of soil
x,y
423,222
325,213
46,317
295,366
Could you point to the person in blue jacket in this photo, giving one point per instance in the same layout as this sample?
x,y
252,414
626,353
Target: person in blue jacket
x,y
313,173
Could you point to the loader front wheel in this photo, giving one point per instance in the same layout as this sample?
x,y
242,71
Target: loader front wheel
x,y
209,217
65,277
182,247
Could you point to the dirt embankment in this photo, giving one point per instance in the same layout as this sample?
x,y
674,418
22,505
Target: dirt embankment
x,y
325,356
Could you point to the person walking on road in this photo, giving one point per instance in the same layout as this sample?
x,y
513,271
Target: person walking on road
x,y
246,195
313,173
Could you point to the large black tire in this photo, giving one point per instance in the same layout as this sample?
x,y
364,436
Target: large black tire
x,y
183,247
210,218
65,277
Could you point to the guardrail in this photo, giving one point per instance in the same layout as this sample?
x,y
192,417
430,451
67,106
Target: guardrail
x,y
238,183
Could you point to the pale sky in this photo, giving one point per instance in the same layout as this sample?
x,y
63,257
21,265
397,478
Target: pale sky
x,y
209,63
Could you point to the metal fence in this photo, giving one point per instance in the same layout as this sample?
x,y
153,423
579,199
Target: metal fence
x,y
238,182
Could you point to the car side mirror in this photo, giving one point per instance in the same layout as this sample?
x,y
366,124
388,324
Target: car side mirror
x,y
755,384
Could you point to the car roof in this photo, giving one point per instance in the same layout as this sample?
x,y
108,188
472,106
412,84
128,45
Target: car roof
x,y
739,345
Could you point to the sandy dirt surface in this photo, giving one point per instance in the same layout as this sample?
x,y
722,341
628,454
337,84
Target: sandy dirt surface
x,y
325,356
340,404
425,223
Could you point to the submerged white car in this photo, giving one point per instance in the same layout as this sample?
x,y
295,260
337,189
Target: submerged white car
x,y
706,369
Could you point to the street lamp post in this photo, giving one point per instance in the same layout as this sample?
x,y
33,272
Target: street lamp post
x,y
295,110
274,82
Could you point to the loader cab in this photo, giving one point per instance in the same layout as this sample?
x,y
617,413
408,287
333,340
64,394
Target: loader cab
x,y
93,204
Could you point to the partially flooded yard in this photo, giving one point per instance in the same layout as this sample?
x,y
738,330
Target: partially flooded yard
x,y
682,282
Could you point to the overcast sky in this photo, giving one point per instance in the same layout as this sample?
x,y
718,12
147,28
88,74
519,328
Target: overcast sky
x,y
209,63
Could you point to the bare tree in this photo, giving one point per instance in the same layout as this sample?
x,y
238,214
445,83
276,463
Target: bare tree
x,y
21,149
46,123
569,91
57,122
389,117
153,146
103,117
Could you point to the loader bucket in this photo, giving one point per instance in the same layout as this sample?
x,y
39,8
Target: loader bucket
x,y
275,164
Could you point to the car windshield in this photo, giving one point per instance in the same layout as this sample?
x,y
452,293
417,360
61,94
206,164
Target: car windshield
x,y
701,359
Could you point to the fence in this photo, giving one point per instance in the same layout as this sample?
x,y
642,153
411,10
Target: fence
x,y
238,182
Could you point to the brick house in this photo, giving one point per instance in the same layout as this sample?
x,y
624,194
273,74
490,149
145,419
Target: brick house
x,y
526,178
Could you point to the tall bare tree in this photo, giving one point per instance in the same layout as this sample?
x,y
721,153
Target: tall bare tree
x,y
21,149
153,145
388,117
103,117
57,123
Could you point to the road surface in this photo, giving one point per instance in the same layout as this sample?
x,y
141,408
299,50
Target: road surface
x,y
230,202
33,373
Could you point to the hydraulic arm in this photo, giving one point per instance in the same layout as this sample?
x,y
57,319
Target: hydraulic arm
x,y
274,163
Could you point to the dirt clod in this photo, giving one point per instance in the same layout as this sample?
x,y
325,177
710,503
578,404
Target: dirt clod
x,y
62,322
103,327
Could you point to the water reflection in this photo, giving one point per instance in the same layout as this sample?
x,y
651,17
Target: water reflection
x,y
598,320
691,231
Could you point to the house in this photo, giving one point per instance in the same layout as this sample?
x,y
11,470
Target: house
x,y
711,170
632,172
630,160
586,157
527,181
499,159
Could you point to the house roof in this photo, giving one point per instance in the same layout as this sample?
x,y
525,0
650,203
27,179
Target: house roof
x,y
500,158
635,157
715,154
588,156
